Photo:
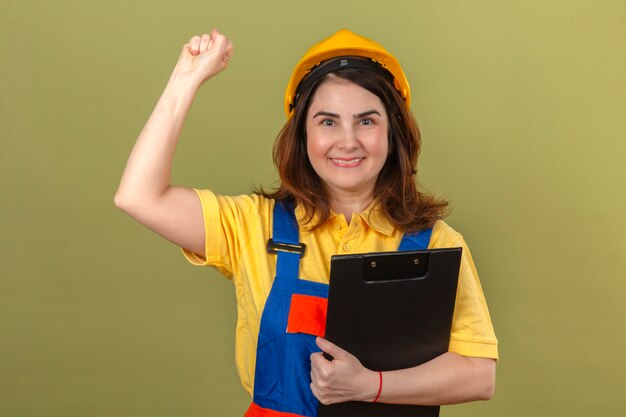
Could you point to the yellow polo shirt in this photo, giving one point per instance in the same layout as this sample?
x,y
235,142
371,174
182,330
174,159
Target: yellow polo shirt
x,y
237,230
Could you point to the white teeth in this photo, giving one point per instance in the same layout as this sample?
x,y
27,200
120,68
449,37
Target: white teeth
x,y
347,161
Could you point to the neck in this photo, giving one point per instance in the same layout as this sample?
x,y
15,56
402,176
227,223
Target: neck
x,y
347,205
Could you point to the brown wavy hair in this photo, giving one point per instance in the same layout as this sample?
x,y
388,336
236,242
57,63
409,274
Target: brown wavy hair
x,y
397,191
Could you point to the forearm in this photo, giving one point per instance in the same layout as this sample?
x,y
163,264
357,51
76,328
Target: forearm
x,y
145,191
148,170
447,379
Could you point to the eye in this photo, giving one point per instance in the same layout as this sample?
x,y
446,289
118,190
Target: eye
x,y
328,122
367,122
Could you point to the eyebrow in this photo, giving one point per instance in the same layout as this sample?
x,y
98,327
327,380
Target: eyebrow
x,y
356,116
367,113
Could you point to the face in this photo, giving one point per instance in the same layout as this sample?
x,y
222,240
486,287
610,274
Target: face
x,y
346,128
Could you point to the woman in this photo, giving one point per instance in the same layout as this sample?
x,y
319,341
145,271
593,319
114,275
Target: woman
x,y
346,159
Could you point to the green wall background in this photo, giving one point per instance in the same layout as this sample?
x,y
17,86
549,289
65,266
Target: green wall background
x,y
522,105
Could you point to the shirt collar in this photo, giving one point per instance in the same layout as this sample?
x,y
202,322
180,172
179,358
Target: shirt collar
x,y
303,218
373,215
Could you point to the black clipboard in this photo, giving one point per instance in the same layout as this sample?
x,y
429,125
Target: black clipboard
x,y
392,310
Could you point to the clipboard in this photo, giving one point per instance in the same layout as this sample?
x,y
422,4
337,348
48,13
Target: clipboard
x,y
392,310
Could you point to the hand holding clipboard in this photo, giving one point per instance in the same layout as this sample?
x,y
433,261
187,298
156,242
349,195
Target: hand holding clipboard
x,y
391,310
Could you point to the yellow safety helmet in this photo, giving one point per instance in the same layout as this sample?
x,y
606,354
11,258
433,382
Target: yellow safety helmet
x,y
345,44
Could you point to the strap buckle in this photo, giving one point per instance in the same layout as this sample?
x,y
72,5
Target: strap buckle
x,y
275,247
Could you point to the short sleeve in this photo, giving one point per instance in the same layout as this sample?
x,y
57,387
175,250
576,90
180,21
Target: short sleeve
x,y
472,331
230,222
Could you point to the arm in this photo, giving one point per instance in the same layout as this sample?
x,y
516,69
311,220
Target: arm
x,y
447,379
145,192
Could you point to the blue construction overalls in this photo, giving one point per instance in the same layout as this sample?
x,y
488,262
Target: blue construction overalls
x,y
294,314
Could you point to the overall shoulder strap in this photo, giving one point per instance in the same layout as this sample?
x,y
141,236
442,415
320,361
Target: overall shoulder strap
x,y
285,226
416,241
285,242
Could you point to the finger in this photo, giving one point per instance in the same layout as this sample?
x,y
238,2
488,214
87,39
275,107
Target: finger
x,y
323,397
219,41
319,369
228,53
194,45
322,373
332,349
316,394
205,41
185,51
315,378
319,388
319,362
223,45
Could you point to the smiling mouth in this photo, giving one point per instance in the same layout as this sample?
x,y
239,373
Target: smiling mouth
x,y
347,163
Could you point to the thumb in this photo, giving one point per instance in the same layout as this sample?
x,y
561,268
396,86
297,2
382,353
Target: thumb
x,y
332,349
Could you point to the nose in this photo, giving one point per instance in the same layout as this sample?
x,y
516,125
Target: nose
x,y
349,139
